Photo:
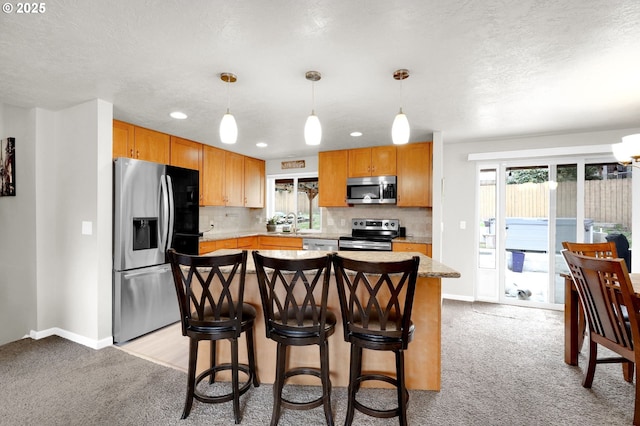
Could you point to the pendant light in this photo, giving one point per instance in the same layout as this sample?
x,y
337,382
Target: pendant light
x,y
400,129
312,128
228,126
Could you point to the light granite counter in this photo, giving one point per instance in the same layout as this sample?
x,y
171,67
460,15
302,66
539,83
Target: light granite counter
x,y
422,359
239,234
428,267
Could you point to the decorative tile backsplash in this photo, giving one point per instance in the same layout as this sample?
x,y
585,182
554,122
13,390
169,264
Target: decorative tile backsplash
x,y
334,220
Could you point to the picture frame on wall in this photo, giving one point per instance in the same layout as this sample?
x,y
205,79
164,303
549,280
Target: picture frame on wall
x,y
7,167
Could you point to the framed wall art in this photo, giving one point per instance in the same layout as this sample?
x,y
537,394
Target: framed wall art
x,y
7,167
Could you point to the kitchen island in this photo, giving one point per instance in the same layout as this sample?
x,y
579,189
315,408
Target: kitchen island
x,y
422,359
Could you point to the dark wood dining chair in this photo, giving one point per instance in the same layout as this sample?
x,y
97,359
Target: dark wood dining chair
x,y
605,249
210,292
611,308
294,295
376,299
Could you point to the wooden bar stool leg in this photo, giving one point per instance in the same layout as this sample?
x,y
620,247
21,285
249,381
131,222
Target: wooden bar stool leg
x,y
235,381
326,382
281,365
354,373
402,399
252,357
191,377
212,377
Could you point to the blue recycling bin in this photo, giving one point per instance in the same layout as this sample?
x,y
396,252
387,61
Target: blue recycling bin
x,y
517,261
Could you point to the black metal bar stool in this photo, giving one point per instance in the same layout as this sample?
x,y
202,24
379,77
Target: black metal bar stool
x,y
375,301
294,296
210,292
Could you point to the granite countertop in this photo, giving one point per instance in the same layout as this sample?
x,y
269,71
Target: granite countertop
x,y
316,235
428,267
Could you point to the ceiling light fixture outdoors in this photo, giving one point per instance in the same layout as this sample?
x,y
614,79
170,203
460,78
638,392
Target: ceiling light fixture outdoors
x,y
312,128
627,151
400,130
228,126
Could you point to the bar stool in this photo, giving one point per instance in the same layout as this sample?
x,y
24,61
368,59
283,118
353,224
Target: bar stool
x,y
375,301
210,293
294,296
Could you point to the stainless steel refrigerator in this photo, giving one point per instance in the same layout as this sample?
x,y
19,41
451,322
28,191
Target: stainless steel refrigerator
x,y
155,208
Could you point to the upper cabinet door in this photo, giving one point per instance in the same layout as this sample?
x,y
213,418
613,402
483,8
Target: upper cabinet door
x,y
374,161
360,162
234,179
123,134
332,178
415,175
212,176
254,182
185,153
383,160
151,146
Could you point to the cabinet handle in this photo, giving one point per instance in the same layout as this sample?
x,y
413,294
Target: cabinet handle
x,y
131,153
137,154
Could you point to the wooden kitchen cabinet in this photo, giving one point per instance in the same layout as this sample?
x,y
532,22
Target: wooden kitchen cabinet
x,y
248,243
140,143
212,173
254,182
229,243
414,165
150,145
206,247
279,243
123,134
185,153
414,247
373,161
234,179
332,178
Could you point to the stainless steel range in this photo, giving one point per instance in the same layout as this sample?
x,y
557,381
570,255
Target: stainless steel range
x,y
370,234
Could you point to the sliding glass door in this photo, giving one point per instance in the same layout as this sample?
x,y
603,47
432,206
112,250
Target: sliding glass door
x,y
527,210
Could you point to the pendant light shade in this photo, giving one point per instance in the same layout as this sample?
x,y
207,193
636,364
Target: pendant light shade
x,y
228,126
400,130
312,128
228,129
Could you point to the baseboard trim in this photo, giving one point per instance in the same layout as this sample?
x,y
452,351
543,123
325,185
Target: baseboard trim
x,y
55,331
458,297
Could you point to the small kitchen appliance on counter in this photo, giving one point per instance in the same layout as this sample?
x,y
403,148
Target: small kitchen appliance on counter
x,y
155,207
370,234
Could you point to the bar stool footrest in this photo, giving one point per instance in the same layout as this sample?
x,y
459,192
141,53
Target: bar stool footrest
x,y
383,414
307,405
244,386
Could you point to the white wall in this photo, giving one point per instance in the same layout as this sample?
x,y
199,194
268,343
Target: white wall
x,y
54,279
18,232
459,197
73,178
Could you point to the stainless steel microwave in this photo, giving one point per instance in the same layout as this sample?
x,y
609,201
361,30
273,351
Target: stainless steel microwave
x,y
371,190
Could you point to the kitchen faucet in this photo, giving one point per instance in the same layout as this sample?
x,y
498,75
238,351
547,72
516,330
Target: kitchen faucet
x,y
295,222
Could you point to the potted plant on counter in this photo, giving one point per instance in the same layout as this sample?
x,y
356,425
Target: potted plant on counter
x,y
271,224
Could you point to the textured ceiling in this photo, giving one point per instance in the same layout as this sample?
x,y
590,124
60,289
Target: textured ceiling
x,y
479,69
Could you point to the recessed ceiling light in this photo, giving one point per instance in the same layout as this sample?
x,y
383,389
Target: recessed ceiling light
x,y
356,134
261,145
178,115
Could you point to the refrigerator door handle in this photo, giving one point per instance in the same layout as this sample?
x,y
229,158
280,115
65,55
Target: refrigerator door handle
x,y
172,215
164,214
128,275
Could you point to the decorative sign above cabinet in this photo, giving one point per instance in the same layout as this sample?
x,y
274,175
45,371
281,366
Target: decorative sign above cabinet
x,y
296,164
